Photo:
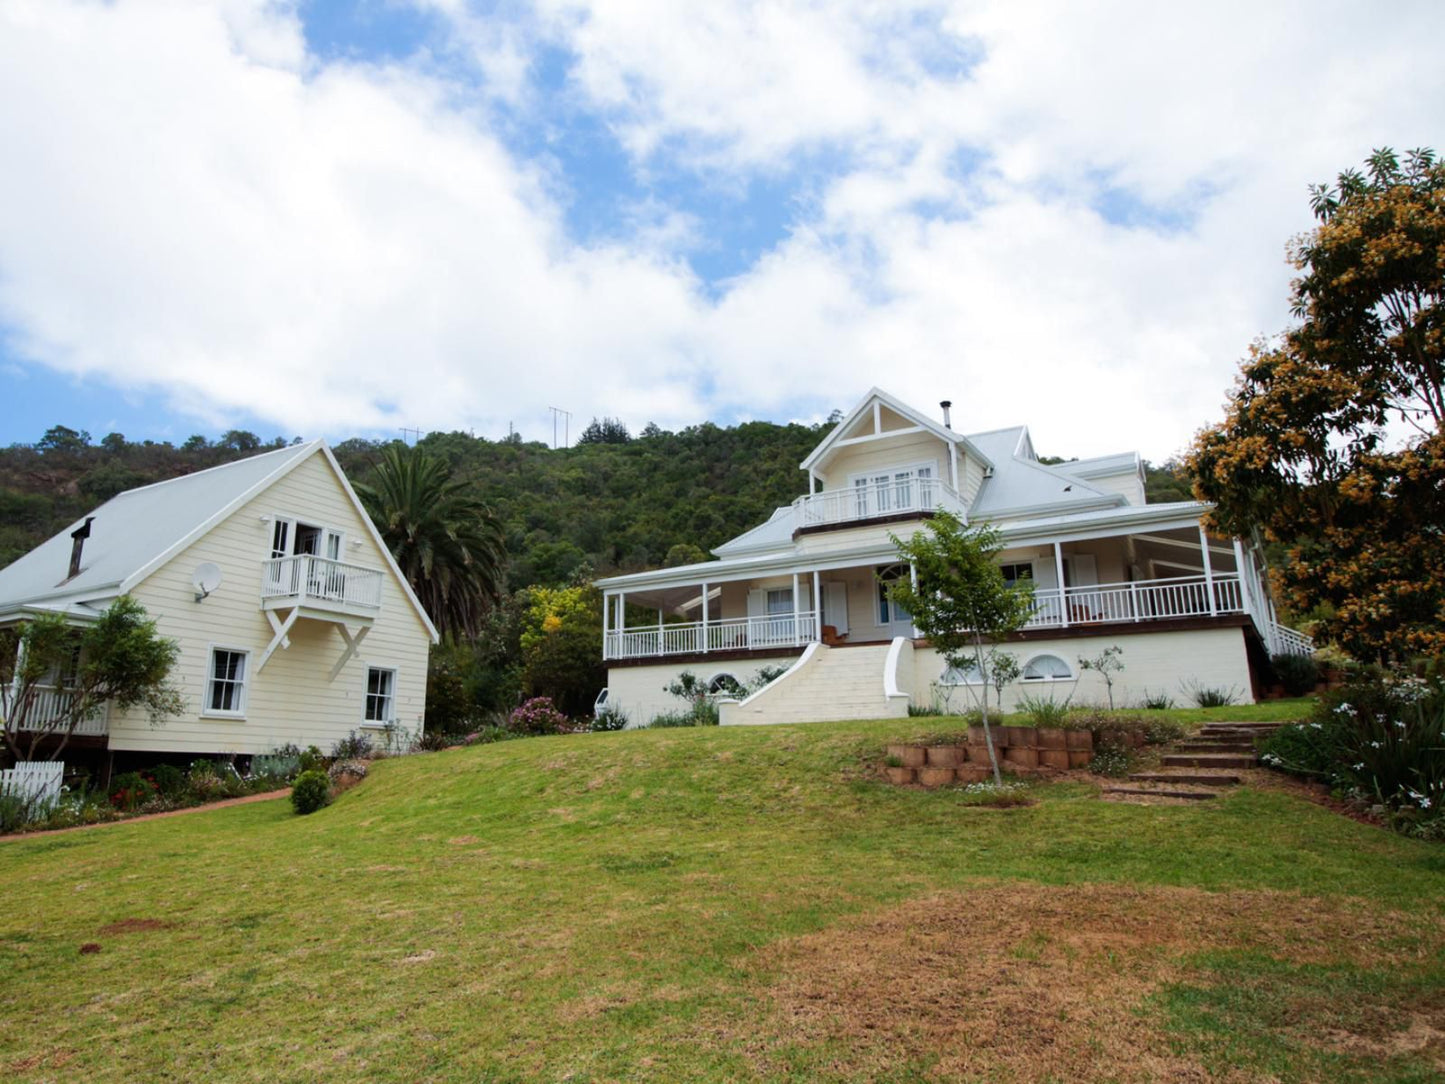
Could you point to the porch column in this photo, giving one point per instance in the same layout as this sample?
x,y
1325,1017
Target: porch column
x,y
606,623
817,607
953,465
796,638
622,618
704,619
913,583
1208,571
660,650
1246,593
1059,572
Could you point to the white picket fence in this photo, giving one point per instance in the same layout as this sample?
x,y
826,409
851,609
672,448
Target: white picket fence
x,y
37,784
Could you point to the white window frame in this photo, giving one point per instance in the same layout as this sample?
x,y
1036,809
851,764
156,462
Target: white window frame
x,y
785,602
1033,576
292,523
244,684
379,724
1069,674
975,676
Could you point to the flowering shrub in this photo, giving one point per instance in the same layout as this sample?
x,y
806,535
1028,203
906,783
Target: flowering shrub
x,y
1380,739
538,716
131,790
1001,795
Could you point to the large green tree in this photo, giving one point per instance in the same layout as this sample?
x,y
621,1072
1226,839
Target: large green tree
x,y
1333,441
962,602
54,676
442,536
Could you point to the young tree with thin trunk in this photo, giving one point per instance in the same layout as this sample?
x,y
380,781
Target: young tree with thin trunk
x,y
54,676
961,601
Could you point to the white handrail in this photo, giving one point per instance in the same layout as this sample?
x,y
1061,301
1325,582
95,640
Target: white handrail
x,y
305,576
870,501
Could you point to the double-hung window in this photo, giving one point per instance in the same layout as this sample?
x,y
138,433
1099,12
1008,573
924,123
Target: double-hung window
x,y
226,683
380,695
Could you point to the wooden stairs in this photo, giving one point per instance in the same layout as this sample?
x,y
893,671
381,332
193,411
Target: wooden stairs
x,y
1197,768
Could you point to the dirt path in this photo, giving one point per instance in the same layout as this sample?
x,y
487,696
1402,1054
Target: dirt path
x,y
270,794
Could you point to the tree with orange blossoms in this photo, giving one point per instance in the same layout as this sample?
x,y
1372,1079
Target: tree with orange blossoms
x,y
1333,441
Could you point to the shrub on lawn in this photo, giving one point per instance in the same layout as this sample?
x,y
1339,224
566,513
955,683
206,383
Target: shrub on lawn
x,y
432,741
671,719
538,716
355,746
1044,710
1207,696
996,795
609,719
311,759
1380,740
1156,701
310,792
131,790
1299,674
170,781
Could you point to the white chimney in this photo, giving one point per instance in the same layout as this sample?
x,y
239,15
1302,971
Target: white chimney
x,y
945,405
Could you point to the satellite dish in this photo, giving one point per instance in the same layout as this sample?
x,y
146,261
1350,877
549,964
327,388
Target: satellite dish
x,y
206,579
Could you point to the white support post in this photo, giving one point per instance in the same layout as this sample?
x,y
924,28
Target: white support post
x,y
704,619
606,623
622,618
1208,571
913,582
817,607
1246,592
795,608
1059,572
953,465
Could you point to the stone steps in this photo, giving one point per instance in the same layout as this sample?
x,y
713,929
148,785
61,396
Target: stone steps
x,y
1243,748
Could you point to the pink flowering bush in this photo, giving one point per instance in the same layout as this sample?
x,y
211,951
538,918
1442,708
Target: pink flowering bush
x,y
539,716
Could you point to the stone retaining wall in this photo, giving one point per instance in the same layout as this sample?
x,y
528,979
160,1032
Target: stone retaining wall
x,y
1021,749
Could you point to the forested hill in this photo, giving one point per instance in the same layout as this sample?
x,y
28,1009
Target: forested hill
x,y
611,503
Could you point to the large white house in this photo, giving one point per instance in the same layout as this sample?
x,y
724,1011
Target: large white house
x,y
293,622
807,589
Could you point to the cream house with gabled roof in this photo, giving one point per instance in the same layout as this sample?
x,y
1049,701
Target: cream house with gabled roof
x,y
807,588
294,623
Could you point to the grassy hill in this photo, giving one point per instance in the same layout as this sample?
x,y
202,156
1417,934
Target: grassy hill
x,y
721,904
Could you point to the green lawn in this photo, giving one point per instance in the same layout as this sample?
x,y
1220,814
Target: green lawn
x,y
720,904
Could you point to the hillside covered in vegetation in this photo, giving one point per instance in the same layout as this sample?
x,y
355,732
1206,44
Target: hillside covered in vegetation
x,y
611,503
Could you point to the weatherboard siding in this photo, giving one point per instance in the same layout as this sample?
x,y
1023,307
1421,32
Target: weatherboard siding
x,y
901,451
291,699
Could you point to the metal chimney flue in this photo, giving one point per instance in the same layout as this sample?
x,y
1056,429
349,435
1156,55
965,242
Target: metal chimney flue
x,y
947,424
77,544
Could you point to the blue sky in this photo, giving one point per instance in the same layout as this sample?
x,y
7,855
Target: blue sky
x,y
326,218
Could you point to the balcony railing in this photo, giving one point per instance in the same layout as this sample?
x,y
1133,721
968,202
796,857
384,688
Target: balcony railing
x,y
1150,600
896,498
50,705
697,637
306,578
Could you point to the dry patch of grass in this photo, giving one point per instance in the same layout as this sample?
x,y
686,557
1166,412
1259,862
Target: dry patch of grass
x,y
1032,983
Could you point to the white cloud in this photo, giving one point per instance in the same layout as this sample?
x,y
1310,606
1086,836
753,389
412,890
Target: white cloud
x,y
194,203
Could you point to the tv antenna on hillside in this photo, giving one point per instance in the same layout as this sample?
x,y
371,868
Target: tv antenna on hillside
x,y
566,425
415,434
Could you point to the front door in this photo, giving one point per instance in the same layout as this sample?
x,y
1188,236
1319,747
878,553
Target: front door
x,y
893,619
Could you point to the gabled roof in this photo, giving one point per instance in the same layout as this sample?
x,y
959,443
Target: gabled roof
x,y
136,532
903,410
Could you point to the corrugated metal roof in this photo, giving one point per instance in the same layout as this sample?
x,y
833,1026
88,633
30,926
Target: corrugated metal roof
x,y
136,527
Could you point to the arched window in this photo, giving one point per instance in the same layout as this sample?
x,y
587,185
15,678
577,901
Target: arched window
x,y
967,674
725,685
1047,668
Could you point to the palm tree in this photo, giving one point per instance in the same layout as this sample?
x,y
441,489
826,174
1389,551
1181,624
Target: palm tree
x,y
443,537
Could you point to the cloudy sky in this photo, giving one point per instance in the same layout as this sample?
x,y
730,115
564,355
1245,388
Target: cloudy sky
x,y
326,218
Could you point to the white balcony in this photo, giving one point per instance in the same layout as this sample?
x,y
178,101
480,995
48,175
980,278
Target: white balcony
x,y
905,496
50,705
698,637
319,583
1149,600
